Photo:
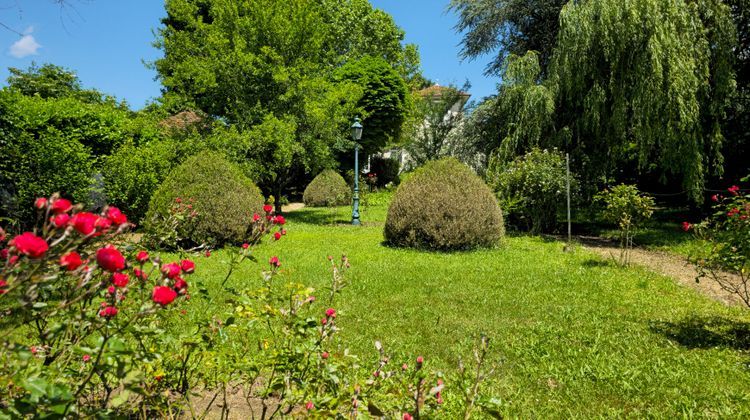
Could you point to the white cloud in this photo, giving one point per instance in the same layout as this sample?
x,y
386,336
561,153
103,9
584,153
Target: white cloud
x,y
25,46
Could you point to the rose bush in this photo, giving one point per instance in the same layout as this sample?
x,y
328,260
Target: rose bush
x,y
725,254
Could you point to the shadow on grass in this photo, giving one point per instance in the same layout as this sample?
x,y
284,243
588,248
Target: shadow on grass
x,y
596,263
706,332
320,216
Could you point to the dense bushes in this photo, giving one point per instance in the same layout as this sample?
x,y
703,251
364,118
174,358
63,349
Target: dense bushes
x,y
386,170
531,189
444,206
326,190
222,197
41,165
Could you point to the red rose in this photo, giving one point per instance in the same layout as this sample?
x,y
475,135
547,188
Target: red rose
x,y
120,280
71,261
139,274
84,222
686,226
3,287
187,266
267,208
208,253
283,231
60,220
324,355
142,257
331,313
274,261
245,245
256,217
110,259
420,360
407,416
733,212
180,284
108,312
61,205
171,270
163,295
102,224
4,253
277,236
735,190
29,244
40,203
279,220
309,406
715,198
116,217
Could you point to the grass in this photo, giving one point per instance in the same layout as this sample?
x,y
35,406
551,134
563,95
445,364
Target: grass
x,y
573,335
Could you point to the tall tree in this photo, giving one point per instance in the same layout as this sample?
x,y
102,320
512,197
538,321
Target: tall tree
x,y
384,101
255,62
504,27
645,83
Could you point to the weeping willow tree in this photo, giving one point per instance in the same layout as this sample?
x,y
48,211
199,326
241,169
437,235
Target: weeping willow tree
x,y
644,83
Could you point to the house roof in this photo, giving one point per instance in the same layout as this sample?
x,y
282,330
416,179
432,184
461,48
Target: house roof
x,y
437,91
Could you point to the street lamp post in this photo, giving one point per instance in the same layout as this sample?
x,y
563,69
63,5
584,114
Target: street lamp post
x,y
356,136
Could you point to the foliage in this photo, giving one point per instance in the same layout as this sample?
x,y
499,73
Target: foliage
x,y
224,200
444,206
383,101
355,30
73,345
645,81
440,113
49,163
626,207
51,81
260,62
134,172
532,188
726,257
328,189
386,170
507,27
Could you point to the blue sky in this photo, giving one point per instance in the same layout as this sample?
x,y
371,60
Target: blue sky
x,y
107,41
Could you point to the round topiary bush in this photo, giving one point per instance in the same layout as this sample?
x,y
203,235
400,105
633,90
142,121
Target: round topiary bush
x,y
223,199
328,189
444,206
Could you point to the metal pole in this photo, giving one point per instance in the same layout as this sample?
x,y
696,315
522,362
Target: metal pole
x,y
567,164
355,210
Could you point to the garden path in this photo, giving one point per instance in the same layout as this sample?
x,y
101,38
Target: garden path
x,y
292,207
675,266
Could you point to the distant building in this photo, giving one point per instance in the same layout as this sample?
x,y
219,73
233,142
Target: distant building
x,y
436,94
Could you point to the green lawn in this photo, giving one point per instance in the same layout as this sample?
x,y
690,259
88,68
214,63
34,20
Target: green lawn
x,y
573,335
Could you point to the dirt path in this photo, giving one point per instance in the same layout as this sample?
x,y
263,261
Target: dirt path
x,y
670,265
292,207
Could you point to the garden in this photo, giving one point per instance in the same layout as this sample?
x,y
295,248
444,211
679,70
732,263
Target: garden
x,y
198,258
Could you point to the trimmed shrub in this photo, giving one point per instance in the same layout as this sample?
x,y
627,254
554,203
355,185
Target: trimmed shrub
x,y
531,189
444,206
328,189
223,198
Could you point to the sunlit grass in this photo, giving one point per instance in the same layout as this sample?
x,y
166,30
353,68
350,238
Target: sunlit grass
x,y
572,334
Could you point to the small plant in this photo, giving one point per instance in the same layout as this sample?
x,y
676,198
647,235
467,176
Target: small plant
x,y
625,206
725,257
532,188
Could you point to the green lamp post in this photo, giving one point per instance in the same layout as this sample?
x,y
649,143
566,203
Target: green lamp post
x,y
356,136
